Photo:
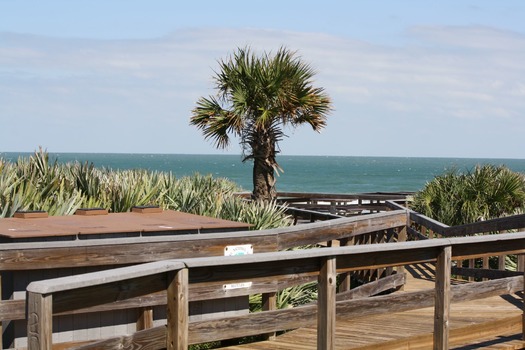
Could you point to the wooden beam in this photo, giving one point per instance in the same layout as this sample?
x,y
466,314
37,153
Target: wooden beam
x,y
499,224
39,321
178,310
269,303
442,300
483,273
326,304
394,281
145,319
305,316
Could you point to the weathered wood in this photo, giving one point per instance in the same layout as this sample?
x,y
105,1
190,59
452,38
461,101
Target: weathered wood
x,y
178,310
489,245
416,234
402,236
442,302
269,303
1,313
287,265
305,196
483,273
252,324
123,251
266,322
326,304
457,336
152,338
113,251
493,225
340,228
428,223
39,321
521,262
107,293
11,310
373,288
145,318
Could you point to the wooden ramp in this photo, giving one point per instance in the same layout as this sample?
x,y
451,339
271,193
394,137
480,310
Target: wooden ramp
x,y
490,323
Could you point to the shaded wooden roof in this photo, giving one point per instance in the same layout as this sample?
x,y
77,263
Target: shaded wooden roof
x,y
83,226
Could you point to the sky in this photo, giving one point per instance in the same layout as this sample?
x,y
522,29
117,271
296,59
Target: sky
x,y
408,78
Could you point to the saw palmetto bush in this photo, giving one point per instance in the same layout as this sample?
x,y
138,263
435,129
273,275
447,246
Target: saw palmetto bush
x,y
486,192
36,183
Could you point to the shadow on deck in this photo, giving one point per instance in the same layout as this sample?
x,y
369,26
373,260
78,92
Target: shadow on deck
x,y
490,323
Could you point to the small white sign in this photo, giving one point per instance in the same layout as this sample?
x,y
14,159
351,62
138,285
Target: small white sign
x,y
237,285
237,250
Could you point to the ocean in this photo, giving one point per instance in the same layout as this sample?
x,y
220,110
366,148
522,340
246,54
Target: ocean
x,y
321,174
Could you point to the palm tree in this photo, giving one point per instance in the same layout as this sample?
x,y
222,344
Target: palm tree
x,y
257,98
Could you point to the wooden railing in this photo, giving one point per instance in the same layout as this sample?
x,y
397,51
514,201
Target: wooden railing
x,y
186,280
22,263
326,206
421,227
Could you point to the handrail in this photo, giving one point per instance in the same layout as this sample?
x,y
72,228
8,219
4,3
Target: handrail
x,y
178,276
120,251
421,227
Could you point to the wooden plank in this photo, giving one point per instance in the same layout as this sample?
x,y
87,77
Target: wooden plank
x,y
339,228
373,288
152,338
499,224
269,303
428,223
326,304
178,310
474,332
145,319
442,300
14,309
28,256
265,322
304,316
483,273
39,321
123,251
489,245
252,324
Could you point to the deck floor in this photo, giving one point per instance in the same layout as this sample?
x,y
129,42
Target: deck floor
x,y
491,323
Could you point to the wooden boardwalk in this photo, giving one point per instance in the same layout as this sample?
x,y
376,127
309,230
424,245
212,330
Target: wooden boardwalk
x,y
490,323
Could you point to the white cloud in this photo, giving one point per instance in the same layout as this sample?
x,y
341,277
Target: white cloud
x,y
144,90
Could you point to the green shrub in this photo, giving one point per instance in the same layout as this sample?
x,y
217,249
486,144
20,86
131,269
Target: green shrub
x,y
487,192
35,183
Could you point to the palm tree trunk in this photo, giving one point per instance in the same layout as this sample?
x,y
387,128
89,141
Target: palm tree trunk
x,y
264,171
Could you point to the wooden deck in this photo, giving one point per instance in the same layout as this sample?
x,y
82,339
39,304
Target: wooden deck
x,y
173,281
491,323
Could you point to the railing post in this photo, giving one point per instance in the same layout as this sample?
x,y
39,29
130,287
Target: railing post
x,y
39,321
178,310
326,304
145,318
346,277
269,302
442,301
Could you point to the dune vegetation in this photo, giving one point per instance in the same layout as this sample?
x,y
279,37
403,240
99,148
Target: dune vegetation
x,y
486,192
37,183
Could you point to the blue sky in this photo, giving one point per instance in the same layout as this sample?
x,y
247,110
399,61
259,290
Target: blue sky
x,y
407,78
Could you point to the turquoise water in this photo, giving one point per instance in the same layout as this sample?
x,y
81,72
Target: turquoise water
x,y
329,174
